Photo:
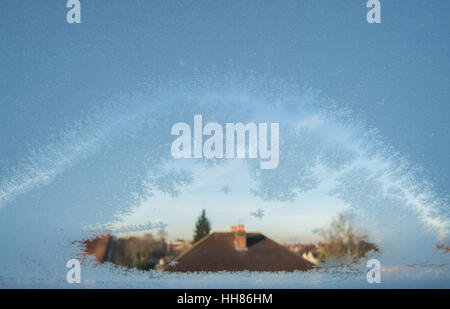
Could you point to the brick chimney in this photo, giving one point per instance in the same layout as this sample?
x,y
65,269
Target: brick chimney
x,y
240,237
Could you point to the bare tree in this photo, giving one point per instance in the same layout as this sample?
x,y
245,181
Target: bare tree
x,y
341,240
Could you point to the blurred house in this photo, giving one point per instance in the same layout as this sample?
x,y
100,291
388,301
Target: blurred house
x,y
311,256
308,252
300,248
102,247
237,250
175,248
142,252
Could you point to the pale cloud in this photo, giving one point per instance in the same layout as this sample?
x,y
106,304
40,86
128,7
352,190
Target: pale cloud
x,y
312,122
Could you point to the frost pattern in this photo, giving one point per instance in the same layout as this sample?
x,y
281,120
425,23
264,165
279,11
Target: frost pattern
x,y
99,169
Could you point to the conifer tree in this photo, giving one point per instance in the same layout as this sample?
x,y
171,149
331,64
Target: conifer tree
x,y
202,227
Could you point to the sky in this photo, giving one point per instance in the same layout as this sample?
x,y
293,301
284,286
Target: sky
x,y
224,192
73,143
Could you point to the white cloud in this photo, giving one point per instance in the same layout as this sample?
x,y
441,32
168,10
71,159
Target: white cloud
x,y
312,122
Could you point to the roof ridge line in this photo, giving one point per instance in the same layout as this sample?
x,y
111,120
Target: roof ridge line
x,y
289,252
193,246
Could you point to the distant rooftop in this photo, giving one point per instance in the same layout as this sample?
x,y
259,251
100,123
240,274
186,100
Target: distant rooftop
x,y
224,251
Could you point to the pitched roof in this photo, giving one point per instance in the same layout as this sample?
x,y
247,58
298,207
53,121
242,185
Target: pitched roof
x,y
217,252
